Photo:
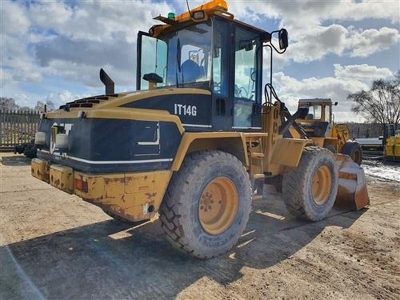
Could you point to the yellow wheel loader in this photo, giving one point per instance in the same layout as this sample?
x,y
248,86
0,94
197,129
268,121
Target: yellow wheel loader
x,y
318,125
194,139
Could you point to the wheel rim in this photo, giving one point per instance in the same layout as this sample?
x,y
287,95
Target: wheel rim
x,y
218,206
321,185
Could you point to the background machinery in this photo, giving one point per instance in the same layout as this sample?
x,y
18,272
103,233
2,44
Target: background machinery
x,y
392,147
318,125
193,138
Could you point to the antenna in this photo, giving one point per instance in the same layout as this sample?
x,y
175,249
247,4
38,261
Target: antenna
x,y
187,3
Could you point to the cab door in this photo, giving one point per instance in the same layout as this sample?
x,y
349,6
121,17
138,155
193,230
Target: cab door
x,y
237,77
247,79
222,78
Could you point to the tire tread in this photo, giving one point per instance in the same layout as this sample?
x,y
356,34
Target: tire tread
x,y
294,184
178,188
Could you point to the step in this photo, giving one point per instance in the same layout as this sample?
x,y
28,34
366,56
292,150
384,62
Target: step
x,y
257,176
257,155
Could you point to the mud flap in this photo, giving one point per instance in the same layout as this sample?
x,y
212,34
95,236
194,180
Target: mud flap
x,y
352,190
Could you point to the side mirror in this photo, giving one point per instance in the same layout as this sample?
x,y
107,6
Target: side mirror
x,y
283,39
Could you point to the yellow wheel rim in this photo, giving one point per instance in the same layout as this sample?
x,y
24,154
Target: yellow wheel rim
x,y
321,185
218,205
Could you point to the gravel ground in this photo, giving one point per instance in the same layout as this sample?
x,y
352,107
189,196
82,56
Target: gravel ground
x,y
55,246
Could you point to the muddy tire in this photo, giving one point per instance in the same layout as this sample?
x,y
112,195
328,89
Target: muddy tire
x,y
353,149
309,191
207,204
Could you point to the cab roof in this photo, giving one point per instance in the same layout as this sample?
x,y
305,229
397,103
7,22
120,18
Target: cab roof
x,y
201,13
315,100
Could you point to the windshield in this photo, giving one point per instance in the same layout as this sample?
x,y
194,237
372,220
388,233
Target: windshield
x,y
179,58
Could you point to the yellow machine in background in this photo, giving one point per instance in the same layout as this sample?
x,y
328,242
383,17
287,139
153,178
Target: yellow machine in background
x,y
319,126
392,147
194,139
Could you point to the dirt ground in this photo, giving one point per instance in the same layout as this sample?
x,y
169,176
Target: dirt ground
x,y
55,246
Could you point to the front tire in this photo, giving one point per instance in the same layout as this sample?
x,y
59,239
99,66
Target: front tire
x,y
309,191
207,204
353,149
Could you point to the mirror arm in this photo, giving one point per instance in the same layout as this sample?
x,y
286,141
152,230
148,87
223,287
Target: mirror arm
x,y
273,46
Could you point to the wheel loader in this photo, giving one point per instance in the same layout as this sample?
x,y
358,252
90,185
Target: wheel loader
x,y
318,125
194,139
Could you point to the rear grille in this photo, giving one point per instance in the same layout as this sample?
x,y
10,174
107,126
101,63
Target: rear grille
x,y
87,102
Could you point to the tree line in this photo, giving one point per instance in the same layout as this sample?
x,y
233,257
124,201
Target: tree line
x,y
380,104
9,104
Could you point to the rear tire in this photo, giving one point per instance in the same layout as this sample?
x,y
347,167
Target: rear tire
x,y
353,149
207,204
309,191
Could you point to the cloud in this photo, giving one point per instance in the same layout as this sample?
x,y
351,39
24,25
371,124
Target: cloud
x,y
58,38
50,14
364,72
315,28
319,43
347,80
65,55
5,78
99,21
372,40
342,41
360,10
301,16
64,97
327,87
17,62
14,19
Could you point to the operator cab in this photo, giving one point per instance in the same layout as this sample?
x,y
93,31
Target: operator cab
x,y
216,55
318,122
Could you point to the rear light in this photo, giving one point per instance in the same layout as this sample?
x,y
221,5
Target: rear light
x,y
81,185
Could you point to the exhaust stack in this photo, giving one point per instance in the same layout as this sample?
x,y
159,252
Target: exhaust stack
x,y
107,81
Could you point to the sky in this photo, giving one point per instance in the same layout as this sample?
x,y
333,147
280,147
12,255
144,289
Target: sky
x,y
53,50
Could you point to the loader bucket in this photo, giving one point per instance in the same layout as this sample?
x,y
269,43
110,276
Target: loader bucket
x,y
352,190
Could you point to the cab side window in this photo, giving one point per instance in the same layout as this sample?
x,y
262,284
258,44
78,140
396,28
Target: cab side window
x,y
247,57
244,70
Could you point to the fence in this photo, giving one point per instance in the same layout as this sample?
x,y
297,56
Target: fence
x,y
17,127
368,130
